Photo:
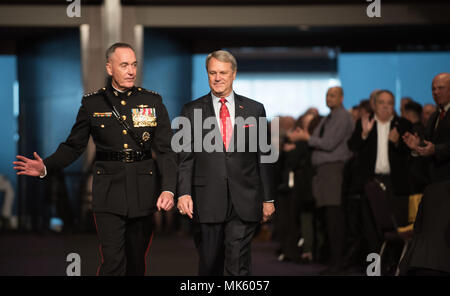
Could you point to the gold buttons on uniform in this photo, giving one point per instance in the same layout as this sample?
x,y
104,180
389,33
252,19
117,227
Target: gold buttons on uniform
x,y
124,117
123,103
102,126
125,146
124,132
151,173
98,172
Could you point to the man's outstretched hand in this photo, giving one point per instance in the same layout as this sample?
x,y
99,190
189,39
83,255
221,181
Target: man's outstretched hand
x,y
29,167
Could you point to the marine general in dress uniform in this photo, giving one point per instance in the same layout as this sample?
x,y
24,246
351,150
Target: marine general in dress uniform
x,y
126,122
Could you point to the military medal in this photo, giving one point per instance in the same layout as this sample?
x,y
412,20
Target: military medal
x,y
102,114
144,116
146,136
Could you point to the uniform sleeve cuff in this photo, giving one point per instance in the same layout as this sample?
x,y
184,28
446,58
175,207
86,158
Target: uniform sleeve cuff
x,y
170,193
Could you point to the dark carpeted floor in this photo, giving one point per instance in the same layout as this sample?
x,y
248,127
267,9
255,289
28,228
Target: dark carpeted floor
x,y
174,255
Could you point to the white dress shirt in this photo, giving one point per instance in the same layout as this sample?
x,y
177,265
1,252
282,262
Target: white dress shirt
x,y
382,163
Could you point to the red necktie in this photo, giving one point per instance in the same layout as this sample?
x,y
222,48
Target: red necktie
x,y
442,114
225,123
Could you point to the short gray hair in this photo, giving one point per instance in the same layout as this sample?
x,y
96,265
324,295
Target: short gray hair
x,y
384,91
223,56
113,48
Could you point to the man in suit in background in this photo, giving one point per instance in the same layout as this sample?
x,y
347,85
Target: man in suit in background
x,y
329,156
429,253
226,192
381,156
427,111
126,188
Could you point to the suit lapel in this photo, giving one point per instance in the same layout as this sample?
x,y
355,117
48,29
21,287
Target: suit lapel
x,y
239,107
441,124
208,108
239,111
431,124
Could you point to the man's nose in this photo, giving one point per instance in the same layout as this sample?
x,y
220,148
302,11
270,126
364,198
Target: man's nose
x,y
130,70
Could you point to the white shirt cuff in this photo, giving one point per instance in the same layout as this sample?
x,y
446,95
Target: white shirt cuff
x,y
270,201
45,172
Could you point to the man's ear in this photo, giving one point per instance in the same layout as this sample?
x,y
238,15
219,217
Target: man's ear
x,y
109,69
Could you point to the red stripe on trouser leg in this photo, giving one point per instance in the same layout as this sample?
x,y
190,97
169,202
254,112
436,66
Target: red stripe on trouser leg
x,y
146,253
99,246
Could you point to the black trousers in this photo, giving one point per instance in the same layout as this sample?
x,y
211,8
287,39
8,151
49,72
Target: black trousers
x,y
224,246
335,223
124,243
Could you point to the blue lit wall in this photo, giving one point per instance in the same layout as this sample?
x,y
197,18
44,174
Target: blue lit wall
x,y
167,70
200,85
50,87
405,74
50,92
8,120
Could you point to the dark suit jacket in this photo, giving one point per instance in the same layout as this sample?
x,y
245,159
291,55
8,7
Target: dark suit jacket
x,y
118,187
440,137
366,155
430,247
211,177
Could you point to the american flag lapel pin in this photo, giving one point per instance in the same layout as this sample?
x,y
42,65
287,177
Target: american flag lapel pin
x,y
241,107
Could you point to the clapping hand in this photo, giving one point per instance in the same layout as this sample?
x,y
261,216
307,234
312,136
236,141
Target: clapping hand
x,y
367,125
394,136
412,141
426,150
298,134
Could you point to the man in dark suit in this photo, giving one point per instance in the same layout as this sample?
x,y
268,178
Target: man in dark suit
x,y
382,155
429,253
125,122
227,190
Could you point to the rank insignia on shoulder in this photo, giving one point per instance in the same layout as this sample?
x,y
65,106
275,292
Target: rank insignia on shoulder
x,y
102,114
143,116
90,94
147,90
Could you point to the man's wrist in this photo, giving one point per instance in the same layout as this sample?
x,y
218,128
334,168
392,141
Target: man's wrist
x,y
45,173
169,192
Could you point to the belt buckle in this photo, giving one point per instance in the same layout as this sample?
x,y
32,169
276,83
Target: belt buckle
x,y
128,155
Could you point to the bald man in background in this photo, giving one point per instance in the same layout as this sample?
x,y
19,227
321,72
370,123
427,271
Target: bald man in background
x,y
330,153
429,252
